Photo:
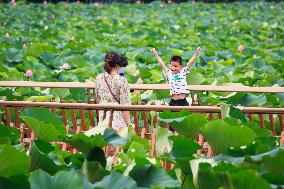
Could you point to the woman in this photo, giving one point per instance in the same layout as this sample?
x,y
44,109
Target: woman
x,y
111,88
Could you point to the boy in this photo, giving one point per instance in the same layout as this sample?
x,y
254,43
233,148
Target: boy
x,y
176,76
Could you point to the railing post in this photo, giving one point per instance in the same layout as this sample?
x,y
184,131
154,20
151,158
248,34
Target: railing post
x,y
7,115
271,121
73,117
82,118
136,121
17,118
145,118
281,122
261,120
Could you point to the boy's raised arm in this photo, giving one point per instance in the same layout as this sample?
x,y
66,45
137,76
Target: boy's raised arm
x,y
194,57
164,68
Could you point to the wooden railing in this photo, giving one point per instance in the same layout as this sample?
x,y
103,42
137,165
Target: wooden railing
x,y
195,89
144,86
262,113
146,131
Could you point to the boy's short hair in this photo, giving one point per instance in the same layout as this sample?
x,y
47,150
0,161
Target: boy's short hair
x,y
176,59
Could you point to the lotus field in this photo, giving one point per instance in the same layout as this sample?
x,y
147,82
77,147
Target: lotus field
x,y
242,45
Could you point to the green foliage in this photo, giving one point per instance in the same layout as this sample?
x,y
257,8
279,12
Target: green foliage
x,y
58,35
13,161
9,135
80,35
221,135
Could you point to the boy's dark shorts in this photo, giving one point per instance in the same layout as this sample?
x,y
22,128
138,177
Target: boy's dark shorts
x,y
181,102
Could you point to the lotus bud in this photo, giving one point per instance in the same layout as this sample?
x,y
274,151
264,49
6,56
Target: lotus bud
x,y
29,73
241,48
66,66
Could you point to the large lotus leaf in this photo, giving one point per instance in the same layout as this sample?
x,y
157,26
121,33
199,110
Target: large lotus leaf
x,y
169,116
41,157
60,92
163,145
149,176
136,150
62,179
76,94
259,157
248,179
15,182
274,164
113,138
206,177
277,179
183,147
247,99
237,113
12,135
258,146
13,161
13,55
190,126
221,136
47,116
84,143
93,170
49,59
42,130
195,78
116,181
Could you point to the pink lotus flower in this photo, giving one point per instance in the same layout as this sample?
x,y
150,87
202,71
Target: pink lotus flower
x,y
137,91
29,73
193,2
13,2
241,48
66,66
138,2
98,5
169,1
45,2
7,34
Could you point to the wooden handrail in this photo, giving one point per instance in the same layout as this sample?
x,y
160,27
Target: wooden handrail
x,y
143,86
158,108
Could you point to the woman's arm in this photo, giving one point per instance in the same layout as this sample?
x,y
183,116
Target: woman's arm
x,y
164,68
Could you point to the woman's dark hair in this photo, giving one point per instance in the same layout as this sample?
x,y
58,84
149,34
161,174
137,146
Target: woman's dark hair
x,y
176,59
112,59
